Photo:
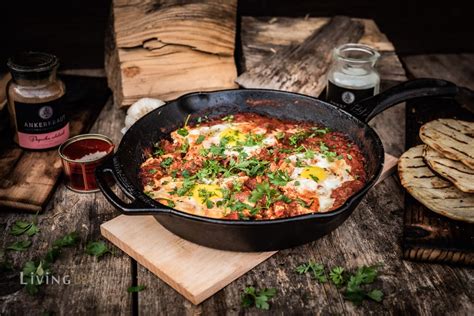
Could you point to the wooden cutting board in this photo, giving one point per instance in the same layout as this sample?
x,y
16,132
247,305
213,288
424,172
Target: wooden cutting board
x,y
196,272
428,236
28,178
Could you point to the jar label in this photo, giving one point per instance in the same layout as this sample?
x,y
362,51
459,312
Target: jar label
x,y
345,96
41,125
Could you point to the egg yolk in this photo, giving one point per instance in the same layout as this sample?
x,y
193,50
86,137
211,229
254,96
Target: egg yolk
x,y
314,173
201,191
233,135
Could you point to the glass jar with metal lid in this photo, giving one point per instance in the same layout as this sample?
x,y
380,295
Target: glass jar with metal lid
x,y
352,76
35,101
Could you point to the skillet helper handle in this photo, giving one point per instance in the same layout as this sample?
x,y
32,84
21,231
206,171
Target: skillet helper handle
x,y
136,207
368,108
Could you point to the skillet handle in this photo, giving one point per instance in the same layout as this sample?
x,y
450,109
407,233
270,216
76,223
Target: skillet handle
x,y
368,108
136,207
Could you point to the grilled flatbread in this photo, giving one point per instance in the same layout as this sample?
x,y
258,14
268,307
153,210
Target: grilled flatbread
x,y
454,139
456,172
435,193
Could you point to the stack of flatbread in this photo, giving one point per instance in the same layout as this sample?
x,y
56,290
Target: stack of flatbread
x,y
440,173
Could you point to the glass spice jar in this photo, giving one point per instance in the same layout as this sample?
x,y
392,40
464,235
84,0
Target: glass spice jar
x,y
352,76
35,101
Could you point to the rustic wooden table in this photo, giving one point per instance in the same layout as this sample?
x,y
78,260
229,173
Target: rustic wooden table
x,y
371,235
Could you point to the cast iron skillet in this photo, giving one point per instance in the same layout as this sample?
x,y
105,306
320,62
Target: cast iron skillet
x,y
240,235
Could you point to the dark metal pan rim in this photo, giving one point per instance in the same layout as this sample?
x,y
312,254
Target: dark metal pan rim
x,y
157,208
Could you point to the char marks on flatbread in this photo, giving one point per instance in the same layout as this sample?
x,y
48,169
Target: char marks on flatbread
x,y
435,193
458,173
454,139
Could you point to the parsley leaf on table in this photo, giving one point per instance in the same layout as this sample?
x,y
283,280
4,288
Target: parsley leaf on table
x,y
33,275
337,276
67,240
355,293
316,269
97,248
22,227
21,245
257,298
136,289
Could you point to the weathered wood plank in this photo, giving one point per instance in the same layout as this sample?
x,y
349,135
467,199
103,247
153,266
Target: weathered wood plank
x,y
264,37
97,286
302,68
167,48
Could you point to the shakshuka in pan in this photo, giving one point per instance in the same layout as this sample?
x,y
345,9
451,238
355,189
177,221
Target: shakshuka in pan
x,y
252,167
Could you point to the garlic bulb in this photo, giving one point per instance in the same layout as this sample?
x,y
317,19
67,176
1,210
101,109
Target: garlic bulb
x,y
139,109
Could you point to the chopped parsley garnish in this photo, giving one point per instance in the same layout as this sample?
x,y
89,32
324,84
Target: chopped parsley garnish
x,y
349,156
203,152
309,154
188,184
182,131
210,170
200,139
185,173
166,162
315,178
252,167
152,171
320,131
157,150
253,139
279,177
330,155
280,135
218,150
206,195
296,138
184,147
323,147
264,190
169,202
228,118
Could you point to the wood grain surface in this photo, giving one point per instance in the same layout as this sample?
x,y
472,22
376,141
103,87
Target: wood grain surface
x,y
302,67
28,178
196,272
167,48
427,235
264,37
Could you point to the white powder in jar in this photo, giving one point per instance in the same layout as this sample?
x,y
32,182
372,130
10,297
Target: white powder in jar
x,y
91,156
